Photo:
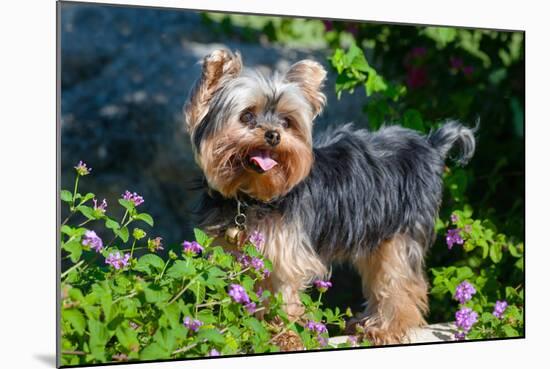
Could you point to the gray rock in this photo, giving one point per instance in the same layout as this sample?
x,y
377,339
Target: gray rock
x,y
439,332
125,75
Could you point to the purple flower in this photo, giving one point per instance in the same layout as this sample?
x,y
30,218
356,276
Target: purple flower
x,y
250,307
318,328
468,70
453,236
192,324
454,218
257,239
352,340
323,341
460,336
500,307
133,325
92,239
155,244
243,259
417,77
464,292
82,169
117,261
257,263
192,247
133,197
328,25
102,207
456,63
260,292
465,319
322,286
214,352
238,294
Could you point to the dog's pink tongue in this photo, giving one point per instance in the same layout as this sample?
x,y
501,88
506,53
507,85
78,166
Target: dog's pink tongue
x,y
263,160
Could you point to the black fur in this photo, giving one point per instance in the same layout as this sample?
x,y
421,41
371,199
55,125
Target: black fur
x,y
364,187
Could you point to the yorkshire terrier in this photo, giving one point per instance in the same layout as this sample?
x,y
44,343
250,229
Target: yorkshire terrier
x,y
369,198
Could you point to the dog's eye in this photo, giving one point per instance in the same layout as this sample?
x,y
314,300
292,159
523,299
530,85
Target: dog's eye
x,y
286,122
247,117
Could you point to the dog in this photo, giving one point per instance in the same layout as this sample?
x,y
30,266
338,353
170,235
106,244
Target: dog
x,y
349,195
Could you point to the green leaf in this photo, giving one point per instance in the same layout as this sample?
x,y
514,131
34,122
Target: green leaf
x,y
375,83
88,212
201,237
154,351
99,336
180,269
87,197
199,291
211,335
355,58
123,233
145,218
66,196
147,261
127,204
258,329
464,273
509,331
127,336
413,119
74,248
76,319
111,224
441,35
155,294
495,252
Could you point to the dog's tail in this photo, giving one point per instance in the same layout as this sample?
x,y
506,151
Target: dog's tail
x,y
453,133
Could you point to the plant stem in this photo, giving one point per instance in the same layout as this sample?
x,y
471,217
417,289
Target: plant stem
x,y
124,217
84,222
177,296
71,269
164,269
132,251
213,303
239,273
189,347
125,297
73,353
74,191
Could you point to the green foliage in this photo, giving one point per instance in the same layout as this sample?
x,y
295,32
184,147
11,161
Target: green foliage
x,y
138,311
494,266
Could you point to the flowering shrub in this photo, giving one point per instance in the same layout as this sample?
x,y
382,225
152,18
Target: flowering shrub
x,y
121,300
487,307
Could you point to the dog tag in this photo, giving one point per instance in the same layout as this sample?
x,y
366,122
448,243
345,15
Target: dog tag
x,y
235,235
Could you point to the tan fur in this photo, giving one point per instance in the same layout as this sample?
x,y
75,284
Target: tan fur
x,y
396,293
295,263
309,76
219,66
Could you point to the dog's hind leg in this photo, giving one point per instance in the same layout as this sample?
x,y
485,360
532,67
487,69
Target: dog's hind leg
x,y
395,288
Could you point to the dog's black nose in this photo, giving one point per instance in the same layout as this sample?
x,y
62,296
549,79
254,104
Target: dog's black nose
x,y
272,137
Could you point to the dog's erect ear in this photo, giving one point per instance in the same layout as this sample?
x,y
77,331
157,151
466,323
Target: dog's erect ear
x,y
218,67
309,75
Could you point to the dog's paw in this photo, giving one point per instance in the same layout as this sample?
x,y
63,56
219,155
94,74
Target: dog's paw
x,y
288,341
366,328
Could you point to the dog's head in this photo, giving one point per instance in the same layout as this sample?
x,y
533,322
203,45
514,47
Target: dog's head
x,y
251,133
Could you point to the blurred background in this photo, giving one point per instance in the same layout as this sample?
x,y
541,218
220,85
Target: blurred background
x,y
126,72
